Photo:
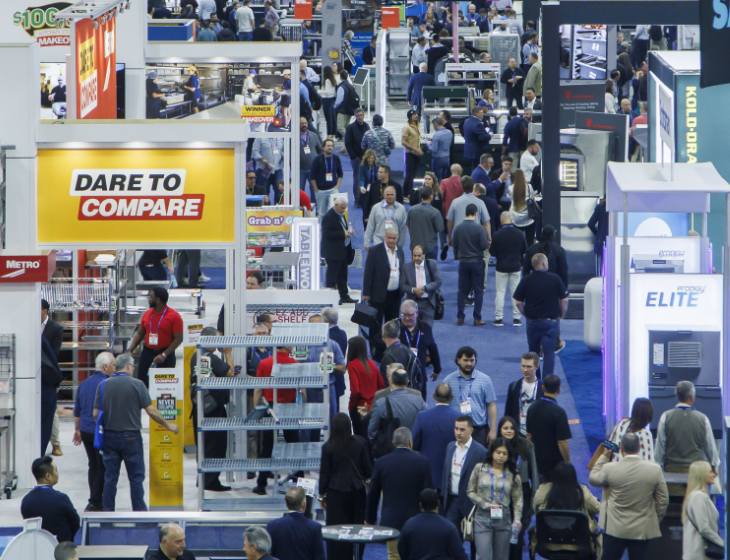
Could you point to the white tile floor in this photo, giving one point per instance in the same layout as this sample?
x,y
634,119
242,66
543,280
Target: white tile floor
x,y
72,466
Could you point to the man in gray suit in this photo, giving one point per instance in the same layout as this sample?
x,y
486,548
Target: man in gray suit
x,y
420,282
405,405
635,499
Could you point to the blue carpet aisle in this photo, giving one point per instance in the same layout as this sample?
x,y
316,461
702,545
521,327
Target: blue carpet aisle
x,y
499,351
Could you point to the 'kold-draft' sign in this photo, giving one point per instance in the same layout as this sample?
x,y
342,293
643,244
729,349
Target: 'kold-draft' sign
x,y
157,196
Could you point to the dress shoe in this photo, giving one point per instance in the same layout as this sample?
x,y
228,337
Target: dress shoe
x,y
347,299
460,322
57,452
479,323
444,252
251,475
259,490
92,507
219,488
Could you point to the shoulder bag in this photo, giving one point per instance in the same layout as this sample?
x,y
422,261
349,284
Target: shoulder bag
x,y
600,448
467,526
383,440
533,210
99,430
364,483
711,549
440,301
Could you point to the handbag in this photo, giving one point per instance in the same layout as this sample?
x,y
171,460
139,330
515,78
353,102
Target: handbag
x,y
711,549
99,430
533,210
467,526
350,254
599,450
364,315
440,306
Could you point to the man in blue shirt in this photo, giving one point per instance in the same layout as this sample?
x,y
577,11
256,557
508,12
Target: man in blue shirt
x,y
415,86
325,176
511,136
481,176
440,148
85,427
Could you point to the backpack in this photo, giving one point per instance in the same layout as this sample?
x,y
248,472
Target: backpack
x,y
383,440
656,33
352,100
416,375
305,110
314,97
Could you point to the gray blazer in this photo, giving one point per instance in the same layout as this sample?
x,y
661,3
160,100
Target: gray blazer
x,y
433,280
405,405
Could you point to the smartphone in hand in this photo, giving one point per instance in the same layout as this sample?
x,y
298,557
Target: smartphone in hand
x,y
610,445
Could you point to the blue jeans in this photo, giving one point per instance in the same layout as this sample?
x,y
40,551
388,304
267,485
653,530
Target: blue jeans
x,y
323,200
245,35
271,181
440,166
127,447
471,277
543,334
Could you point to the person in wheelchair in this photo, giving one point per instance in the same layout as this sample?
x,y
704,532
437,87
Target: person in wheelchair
x,y
564,493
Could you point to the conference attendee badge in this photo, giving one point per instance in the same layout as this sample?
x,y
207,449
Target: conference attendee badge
x,y
496,512
466,407
415,352
307,150
328,177
389,224
153,339
394,273
275,150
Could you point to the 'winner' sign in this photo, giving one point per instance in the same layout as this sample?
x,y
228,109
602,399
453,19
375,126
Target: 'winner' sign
x,y
96,69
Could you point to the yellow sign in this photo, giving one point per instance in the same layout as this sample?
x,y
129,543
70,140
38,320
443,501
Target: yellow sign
x,y
166,448
258,111
270,220
191,332
86,59
97,197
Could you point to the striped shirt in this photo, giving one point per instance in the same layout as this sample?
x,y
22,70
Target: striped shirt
x,y
478,389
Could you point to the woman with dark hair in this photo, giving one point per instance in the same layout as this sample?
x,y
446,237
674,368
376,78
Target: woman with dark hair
x,y
524,457
365,381
642,413
343,473
494,486
564,493
327,93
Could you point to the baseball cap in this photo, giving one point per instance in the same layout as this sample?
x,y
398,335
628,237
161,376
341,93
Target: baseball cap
x,y
411,113
482,103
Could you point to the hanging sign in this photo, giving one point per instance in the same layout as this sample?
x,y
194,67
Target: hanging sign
x,y
27,269
40,24
96,69
303,9
166,448
715,33
390,17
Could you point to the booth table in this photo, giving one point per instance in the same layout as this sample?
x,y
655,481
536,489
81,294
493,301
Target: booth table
x,y
359,534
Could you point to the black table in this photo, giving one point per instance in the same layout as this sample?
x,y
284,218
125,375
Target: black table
x,y
359,534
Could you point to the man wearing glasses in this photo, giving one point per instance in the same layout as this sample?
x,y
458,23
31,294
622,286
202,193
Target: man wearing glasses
x,y
252,189
417,336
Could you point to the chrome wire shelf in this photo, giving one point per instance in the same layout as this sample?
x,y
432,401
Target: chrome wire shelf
x,y
222,383
78,294
251,465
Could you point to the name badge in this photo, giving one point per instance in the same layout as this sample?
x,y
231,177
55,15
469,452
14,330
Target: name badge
x,y
495,512
307,150
394,273
153,339
275,151
328,177
415,351
389,224
466,407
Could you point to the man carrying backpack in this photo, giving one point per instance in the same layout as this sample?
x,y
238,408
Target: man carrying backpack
x,y
346,102
418,337
353,144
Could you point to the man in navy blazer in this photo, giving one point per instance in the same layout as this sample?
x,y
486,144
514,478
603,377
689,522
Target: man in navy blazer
x,y
462,456
428,535
476,137
480,175
415,86
401,475
293,536
54,507
433,431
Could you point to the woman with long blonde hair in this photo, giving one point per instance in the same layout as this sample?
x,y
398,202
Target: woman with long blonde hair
x,y
699,514
521,191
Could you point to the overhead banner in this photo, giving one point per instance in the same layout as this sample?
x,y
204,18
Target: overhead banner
x,y
715,34
580,95
166,448
303,9
260,114
102,197
616,123
38,23
390,17
96,68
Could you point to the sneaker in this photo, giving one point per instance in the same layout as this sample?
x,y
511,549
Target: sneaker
x,y
444,252
57,452
516,323
498,323
203,278
259,490
559,346
469,301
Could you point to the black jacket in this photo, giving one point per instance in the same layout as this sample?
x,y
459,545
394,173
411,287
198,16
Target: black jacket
x,y
338,473
430,536
377,272
345,106
426,345
598,224
493,208
512,406
508,247
53,333
393,354
55,508
333,236
435,54
373,197
50,370
353,139
515,88
557,261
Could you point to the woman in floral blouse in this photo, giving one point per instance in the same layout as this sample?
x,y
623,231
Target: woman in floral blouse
x,y
641,415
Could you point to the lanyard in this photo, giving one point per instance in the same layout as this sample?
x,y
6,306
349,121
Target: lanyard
x,y
118,374
684,407
160,322
418,340
328,168
372,174
491,477
274,145
392,215
304,144
425,204
471,386
43,486
550,399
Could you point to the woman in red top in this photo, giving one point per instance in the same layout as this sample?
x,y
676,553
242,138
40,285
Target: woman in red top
x,y
365,380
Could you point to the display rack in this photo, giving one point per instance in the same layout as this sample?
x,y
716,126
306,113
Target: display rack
x,y
434,99
3,192
291,457
8,480
399,62
475,75
280,269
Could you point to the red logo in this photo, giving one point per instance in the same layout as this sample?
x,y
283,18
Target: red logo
x,y
567,94
589,122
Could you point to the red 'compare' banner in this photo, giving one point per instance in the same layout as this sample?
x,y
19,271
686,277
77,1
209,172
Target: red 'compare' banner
x,y
96,69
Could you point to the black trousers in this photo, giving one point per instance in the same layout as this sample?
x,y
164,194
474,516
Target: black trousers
x,y
49,398
359,425
452,513
390,308
480,434
96,470
154,272
344,508
337,276
267,448
215,444
613,548
412,163
514,95
145,361
188,264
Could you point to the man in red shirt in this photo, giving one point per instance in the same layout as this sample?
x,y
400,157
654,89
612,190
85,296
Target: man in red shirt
x,y
451,189
282,396
304,202
161,329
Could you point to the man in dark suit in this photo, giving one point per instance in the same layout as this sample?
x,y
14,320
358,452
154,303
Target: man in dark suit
x,y
462,456
415,86
512,77
428,535
492,207
383,270
336,246
54,507
52,331
337,335
417,336
51,378
401,475
420,282
433,431
523,392
476,137
293,536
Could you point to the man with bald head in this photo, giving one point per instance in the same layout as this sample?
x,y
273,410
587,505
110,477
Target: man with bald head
x,y
336,247
172,544
508,247
387,213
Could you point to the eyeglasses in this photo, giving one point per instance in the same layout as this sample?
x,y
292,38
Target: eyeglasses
x,y
408,315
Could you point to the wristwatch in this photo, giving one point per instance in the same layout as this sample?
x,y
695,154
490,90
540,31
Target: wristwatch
x,y
164,355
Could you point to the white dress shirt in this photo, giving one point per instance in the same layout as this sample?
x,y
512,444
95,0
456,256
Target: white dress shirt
x,y
311,75
419,55
457,463
394,279
43,325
